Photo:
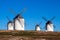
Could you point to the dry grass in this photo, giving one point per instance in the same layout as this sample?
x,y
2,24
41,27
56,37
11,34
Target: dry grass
x,y
28,34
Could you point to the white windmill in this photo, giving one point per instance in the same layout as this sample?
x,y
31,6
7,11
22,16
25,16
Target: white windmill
x,y
10,25
49,24
19,21
37,27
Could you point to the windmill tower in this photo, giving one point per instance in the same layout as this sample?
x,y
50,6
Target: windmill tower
x,y
37,27
10,25
49,24
19,21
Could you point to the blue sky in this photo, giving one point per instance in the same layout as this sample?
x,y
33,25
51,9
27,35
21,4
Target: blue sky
x,y
35,9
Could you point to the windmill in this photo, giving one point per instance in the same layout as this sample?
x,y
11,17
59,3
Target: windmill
x,y
19,21
37,27
10,24
49,24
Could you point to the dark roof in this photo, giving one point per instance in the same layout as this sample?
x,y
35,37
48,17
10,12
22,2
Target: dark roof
x,y
49,22
37,25
10,22
18,16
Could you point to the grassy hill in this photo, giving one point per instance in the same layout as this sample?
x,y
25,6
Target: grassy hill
x,y
28,33
32,34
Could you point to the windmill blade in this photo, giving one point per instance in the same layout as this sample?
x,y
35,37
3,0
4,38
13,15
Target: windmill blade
x,y
53,18
12,11
40,23
20,22
40,27
44,18
22,11
6,26
54,26
45,27
25,24
7,18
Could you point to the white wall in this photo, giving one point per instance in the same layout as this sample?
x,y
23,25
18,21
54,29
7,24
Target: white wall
x,y
18,25
50,27
10,26
37,28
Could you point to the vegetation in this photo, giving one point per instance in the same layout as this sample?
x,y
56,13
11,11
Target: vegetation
x,y
30,33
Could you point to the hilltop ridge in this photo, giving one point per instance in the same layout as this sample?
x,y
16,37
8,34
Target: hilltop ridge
x,y
28,35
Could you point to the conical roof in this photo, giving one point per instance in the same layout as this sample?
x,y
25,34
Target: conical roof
x,y
18,16
37,25
10,22
49,22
